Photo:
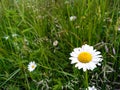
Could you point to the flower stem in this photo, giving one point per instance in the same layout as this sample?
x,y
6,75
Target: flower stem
x,y
86,80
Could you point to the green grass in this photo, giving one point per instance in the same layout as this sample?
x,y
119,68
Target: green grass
x,y
38,23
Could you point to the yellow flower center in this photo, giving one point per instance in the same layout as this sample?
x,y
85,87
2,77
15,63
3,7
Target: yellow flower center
x,y
84,57
33,66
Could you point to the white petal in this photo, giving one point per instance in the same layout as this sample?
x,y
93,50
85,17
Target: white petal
x,y
80,65
99,64
73,60
73,54
77,49
84,69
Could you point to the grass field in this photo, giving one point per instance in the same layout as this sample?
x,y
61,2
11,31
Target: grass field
x,y
42,31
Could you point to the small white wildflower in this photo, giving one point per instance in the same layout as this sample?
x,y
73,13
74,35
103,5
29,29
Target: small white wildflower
x,y
114,52
31,66
91,88
26,41
73,18
77,27
119,28
108,19
39,17
55,43
6,37
16,45
14,35
106,49
119,12
67,2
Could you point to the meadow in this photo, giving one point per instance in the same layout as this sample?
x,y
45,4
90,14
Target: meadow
x,y
46,32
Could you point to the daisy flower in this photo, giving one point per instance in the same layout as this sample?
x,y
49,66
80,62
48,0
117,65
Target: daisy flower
x,y
86,57
55,43
73,18
31,66
91,88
